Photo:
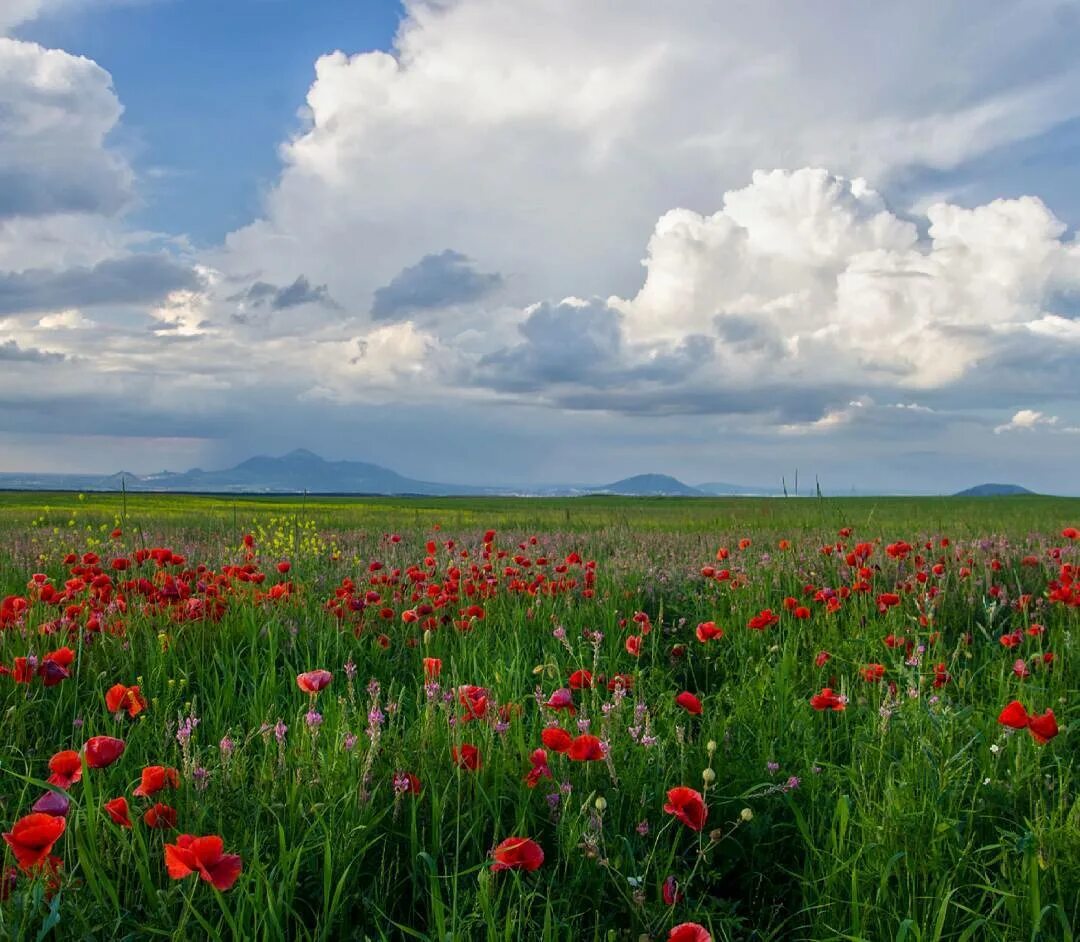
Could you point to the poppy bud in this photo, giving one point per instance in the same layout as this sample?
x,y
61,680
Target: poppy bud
x,y
601,804
746,814
708,776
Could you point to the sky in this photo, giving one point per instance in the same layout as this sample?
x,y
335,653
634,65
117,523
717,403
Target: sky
x,y
540,241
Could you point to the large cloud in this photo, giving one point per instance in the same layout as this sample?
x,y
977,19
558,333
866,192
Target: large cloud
x,y
56,110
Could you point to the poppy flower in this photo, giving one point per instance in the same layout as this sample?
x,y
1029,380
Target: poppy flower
x,y
313,681
708,630
32,837
763,619
475,701
102,751
117,809
688,806
822,658
586,748
581,680
467,757
160,816
407,784
1020,668
670,891
689,702
562,699
432,668
539,770
633,645
556,739
1043,728
66,768
689,932
155,778
1014,715
204,856
872,673
120,697
827,700
517,853
1071,533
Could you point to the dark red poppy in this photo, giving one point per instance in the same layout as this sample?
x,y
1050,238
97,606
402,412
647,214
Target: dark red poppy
x,y
204,856
467,757
688,806
689,702
66,768
517,853
160,816
670,891
155,778
54,803
586,748
102,751
562,699
872,673
581,680
432,668
32,837
117,809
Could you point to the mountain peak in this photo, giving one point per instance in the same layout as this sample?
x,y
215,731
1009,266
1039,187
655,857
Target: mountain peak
x,y
302,454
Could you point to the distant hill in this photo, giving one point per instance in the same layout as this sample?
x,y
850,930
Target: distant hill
x,y
994,490
650,485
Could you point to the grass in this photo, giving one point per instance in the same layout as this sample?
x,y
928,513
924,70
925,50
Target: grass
x,y
910,815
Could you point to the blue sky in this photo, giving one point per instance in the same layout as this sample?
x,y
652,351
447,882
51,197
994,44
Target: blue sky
x,y
209,89
520,242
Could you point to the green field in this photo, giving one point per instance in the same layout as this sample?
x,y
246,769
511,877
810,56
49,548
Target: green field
x,y
905,810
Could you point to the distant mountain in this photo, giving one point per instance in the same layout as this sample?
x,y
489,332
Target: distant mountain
x,y
650,485
994,490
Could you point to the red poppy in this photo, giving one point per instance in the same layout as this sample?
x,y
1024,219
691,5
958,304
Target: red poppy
x,y
539,770
633,645
467,757
117,809
872,673
155,778
827,700
517,853
688,806
822,658
32,837
581,680
160,816
1020,668
707,630
204,856
586,748
689,932
66,768
432,668
1043,728
556,739
670,891
475,701
1014,715
313,681
763,619
1071,533
408,783
689,702
102,751
120,697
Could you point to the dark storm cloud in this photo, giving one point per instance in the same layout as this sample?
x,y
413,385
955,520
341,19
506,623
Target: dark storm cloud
x,y
138,279
11,352
301,291
582,344
435,281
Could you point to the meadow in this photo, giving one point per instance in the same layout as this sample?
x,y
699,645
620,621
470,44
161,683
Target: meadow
x,y
582,719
